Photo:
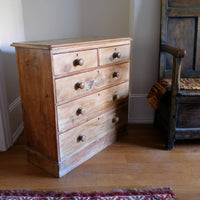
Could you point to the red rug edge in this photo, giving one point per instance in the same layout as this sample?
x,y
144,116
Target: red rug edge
x,y
164,190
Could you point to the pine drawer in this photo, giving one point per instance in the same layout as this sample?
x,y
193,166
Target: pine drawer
x,y
81,136
114,54
66,63
70,88
81,110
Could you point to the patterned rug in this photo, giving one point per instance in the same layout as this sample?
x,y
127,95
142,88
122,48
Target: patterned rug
x,y
155,194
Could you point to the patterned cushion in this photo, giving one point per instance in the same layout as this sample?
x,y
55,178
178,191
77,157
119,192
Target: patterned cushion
x,y
161,87
186,83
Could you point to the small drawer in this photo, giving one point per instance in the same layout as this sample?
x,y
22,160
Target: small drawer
x,y
71,62
81,110
114,54
80,137
188,115
69,88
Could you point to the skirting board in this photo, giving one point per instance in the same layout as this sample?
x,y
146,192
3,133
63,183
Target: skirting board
x,y
17,133
16,121
15,104
139,110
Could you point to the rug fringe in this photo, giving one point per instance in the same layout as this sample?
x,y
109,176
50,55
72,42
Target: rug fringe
x,y
128,192
142,189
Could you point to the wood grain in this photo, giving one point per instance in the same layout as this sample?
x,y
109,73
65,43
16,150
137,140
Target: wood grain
x,y
66,87
73,44
53,73
188,115
43,162
94,105
197,61
184,3
186,27
180,28
178,53
64,63
178,114
88,152
36,86
93,130
137,160
106,54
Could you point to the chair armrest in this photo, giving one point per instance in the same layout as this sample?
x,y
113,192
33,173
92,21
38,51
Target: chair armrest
x,y
178,53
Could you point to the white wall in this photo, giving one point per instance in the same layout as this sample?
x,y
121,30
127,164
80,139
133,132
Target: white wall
x,y
145,30
5,131
50,19
105,17
11,26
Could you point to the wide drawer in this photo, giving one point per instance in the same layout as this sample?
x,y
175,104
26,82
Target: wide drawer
x,y
71,87
71,62
114,54
81,110
78,138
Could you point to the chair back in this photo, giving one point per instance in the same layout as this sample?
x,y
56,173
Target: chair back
x,y
180,28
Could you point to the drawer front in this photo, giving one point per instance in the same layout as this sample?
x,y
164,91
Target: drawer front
x,y
188,115
83,109
71,87
114,54
75,61
78,138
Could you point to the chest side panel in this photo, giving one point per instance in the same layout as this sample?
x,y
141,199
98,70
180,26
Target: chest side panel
x,y
36,87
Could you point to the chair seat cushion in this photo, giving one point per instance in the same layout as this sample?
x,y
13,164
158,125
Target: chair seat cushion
x,y
185,83
160,88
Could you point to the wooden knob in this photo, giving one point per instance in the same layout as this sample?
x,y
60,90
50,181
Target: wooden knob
x,y
80,111
115,120
116,55
116,96
78,62
116,75
80,85
81,138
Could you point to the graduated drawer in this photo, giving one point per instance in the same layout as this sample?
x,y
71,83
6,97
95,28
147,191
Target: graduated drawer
x,y
78,138
71,87
75,61
114,54
83,109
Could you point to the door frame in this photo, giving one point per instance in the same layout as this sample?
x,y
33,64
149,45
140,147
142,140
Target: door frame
x,y
5,130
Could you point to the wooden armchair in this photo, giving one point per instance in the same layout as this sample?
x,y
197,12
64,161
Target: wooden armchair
x,y
179,110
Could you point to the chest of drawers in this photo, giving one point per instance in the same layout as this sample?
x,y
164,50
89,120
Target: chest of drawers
x,y
74,95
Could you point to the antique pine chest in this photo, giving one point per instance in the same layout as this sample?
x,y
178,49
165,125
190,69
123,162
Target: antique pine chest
x,y
74,95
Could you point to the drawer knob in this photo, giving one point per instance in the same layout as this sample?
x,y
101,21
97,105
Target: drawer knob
x,y
116,75
80,85
78,62
81,138
116,96
115,120
116,55
80,111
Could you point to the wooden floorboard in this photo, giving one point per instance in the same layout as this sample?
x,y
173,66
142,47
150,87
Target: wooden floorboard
x,y
138,160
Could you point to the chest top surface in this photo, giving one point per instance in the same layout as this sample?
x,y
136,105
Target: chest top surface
x,y
69,42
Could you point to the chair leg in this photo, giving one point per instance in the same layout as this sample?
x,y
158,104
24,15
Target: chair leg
x,y
155,122
170,143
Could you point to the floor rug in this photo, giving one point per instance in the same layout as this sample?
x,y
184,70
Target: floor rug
x,y
154,194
